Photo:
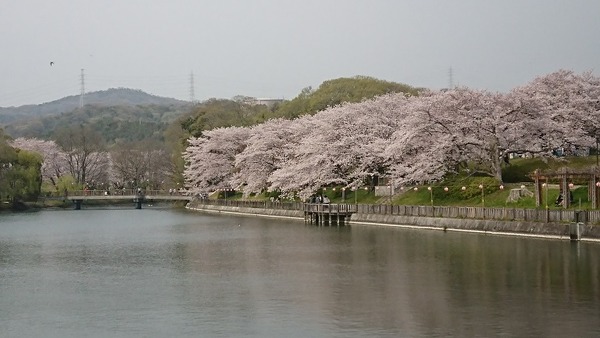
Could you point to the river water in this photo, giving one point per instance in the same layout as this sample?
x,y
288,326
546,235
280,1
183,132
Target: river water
x,y
173,273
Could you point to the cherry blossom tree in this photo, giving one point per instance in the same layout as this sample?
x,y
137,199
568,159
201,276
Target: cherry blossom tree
x,y
448,130
407,139
442,132
564,107
291,175
341,145
265,150
210,158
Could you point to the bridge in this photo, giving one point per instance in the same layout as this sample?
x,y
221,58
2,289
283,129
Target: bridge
x,y
138,197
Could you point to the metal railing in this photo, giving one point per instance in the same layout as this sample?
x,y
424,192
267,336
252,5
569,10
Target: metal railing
x,y
116,192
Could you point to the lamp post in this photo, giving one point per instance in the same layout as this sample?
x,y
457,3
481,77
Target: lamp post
x,y
482,195
343,195
430,195
502,188
596,195
373,181
545,186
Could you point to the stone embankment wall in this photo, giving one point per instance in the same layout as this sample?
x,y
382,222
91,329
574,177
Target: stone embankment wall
x,y
536,229
299,214
518,228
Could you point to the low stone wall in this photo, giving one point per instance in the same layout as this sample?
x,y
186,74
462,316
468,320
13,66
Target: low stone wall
x,y
555,230
246,211
534,229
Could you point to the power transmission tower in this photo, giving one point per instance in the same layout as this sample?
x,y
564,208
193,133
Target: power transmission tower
x,y
450,79
192,96
82,89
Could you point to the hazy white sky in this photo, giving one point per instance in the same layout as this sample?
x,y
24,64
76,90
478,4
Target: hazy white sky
x,y
274,48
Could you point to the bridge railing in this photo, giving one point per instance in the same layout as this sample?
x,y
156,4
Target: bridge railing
x,y
162,192
117,192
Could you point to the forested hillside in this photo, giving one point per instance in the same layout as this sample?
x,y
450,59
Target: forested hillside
x,y
114,123
110,97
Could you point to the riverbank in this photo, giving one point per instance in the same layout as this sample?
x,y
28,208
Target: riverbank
x,y
558,231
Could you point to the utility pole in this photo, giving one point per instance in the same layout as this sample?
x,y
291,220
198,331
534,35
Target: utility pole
x,y
192,96
450,79
82,89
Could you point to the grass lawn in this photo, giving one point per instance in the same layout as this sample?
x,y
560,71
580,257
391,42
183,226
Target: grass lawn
x,y
472,190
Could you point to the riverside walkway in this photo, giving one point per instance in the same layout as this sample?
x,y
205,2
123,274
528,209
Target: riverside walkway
x,y
321,214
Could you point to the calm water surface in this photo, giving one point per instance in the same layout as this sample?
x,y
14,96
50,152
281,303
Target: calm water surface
x,y
169,273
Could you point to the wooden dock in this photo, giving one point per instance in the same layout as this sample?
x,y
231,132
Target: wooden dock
x,y
328,214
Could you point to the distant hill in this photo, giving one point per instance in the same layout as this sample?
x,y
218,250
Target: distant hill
x,y
109,97
114,123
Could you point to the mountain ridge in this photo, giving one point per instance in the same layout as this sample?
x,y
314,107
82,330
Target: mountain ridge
x,y
108,97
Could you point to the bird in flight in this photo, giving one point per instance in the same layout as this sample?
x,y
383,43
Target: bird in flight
x,y
51,63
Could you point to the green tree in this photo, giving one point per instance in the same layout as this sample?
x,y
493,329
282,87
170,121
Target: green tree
x,y
67,183
300,105
8,156
23,178
334,92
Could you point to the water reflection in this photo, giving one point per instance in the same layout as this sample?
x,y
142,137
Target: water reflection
x,y
157,273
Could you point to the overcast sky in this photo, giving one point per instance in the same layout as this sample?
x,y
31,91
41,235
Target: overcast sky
x,y
274,48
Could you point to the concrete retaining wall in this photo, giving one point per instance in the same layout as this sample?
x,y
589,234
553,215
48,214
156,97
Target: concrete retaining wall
x,y
246,211
556,230
534,229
